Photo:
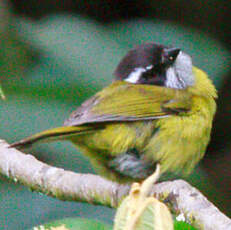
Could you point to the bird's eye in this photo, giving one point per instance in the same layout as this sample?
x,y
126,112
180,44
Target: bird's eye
x,y
169,55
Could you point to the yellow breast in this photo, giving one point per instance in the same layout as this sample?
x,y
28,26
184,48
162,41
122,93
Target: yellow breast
x,y
182,140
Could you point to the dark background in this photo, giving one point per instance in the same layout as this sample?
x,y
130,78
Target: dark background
x,y
54,54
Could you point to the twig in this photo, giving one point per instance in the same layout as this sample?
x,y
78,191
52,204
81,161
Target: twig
x,y
66,185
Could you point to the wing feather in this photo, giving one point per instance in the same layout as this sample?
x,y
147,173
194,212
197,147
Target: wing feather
x,y
123,101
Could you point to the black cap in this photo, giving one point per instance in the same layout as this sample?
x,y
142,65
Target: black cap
x,y
146,64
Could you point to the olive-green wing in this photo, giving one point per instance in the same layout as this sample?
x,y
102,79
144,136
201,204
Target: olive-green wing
x,y
122,101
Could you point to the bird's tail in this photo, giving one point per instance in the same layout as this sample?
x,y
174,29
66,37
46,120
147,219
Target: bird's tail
x,y
54,134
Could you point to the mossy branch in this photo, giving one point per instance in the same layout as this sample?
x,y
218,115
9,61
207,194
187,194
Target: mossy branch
x,y
181,197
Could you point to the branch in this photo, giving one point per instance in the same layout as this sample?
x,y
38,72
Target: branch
x,y
66,185
56,182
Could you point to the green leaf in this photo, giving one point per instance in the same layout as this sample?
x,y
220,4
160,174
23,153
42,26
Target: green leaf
x,y
74,224
1,93
181,225
76,46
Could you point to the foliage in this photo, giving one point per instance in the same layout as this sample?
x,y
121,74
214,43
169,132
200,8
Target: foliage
x,y
89,224
181,225
1,93
73,224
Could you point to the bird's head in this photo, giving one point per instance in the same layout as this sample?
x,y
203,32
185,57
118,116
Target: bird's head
x,y
156,65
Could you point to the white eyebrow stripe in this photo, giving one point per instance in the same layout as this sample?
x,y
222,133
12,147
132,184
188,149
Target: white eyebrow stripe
x,y
149,67
134,76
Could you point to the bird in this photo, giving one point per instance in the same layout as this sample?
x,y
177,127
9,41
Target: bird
x,y
158,110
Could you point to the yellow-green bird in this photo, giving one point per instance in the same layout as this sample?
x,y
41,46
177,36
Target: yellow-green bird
x,y
159,110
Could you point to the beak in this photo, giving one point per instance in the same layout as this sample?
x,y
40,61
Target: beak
x,y
170,55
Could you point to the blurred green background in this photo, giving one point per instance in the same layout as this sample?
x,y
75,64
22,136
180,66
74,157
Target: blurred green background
x,y
54,54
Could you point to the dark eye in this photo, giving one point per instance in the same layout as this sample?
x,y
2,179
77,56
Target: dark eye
x,y
169,55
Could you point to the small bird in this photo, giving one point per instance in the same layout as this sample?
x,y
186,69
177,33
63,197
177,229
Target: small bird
x,y
158,110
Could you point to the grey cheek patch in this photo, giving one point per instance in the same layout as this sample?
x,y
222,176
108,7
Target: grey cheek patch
x,y
173,80
180,75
